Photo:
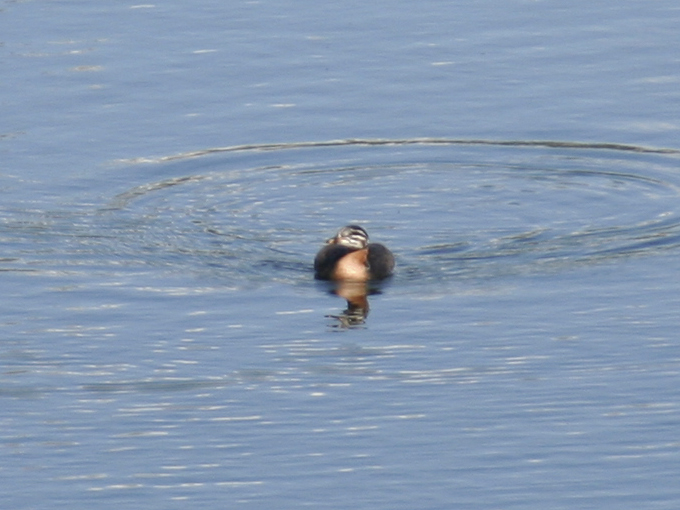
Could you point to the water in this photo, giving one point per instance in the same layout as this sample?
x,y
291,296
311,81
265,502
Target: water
x,y
168,172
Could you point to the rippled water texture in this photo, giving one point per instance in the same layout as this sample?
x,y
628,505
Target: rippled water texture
x,y
169,343
169,170
450,209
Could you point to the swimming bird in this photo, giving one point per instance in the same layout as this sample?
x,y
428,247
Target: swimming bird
x,y
350,257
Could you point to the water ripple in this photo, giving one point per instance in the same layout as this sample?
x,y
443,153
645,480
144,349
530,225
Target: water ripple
x,y
448,208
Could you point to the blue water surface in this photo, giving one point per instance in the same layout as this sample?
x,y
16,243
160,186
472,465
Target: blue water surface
x,y
168,171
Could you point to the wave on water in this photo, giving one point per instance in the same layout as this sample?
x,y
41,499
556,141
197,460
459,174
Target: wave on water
x,y
448,208
402,142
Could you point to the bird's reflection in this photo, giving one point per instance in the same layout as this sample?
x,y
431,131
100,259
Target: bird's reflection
x,y
356,294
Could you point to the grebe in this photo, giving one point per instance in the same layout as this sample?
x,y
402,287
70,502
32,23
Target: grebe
x,y
350,257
